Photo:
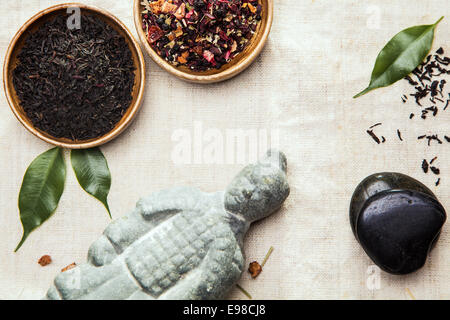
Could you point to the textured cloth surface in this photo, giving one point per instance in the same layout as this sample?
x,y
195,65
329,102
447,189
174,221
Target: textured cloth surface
x,y
319,54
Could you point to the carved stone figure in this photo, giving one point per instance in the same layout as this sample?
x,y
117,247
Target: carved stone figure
x,y
179,243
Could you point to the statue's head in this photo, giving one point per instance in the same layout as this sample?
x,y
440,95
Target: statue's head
x,y
259,189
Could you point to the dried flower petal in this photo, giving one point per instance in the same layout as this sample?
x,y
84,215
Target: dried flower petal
x,y
181,60
70,266
45,260
208,55
181,11
155,6
189,14
154,34
227,55
252,8
168,8
254,269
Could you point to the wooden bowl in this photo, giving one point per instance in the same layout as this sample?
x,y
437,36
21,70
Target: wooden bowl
x,y
228,70
11,61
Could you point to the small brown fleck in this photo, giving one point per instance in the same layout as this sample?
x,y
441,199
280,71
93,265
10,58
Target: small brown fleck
x,y
70,266
255,269
45,260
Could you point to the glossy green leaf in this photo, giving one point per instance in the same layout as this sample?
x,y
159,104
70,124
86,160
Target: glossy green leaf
x,y
401,55
92,172
42,187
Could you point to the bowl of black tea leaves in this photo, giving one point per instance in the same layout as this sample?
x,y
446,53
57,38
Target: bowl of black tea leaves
x,y
74,76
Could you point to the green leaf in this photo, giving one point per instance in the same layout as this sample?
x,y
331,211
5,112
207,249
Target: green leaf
x,y
401,55
42,187
92,172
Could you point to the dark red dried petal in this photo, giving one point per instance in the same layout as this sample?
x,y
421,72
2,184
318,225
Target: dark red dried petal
x,y
154,34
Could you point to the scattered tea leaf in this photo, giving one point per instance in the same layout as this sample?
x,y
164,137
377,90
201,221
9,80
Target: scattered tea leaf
x,y
92,172
401,55
42,187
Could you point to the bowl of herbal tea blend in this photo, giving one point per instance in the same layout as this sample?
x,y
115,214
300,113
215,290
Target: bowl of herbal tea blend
x,y
74,76
203,41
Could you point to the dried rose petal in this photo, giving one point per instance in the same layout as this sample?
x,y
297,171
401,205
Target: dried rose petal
x,y
224,36
154,34
45,260
254,269
189,14
227,55
208,55
178,32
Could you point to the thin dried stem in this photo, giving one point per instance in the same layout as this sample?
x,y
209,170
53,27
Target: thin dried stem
x,y
244,291
267,256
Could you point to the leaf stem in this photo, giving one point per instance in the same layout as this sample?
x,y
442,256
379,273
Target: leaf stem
x,y
437,22
244,291
362,93
107,209
267,257
22,241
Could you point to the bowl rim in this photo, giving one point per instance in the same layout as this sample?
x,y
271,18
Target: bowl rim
x,y
212,78
134,107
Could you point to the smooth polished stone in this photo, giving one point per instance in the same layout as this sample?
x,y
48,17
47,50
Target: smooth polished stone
x,y
397,220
